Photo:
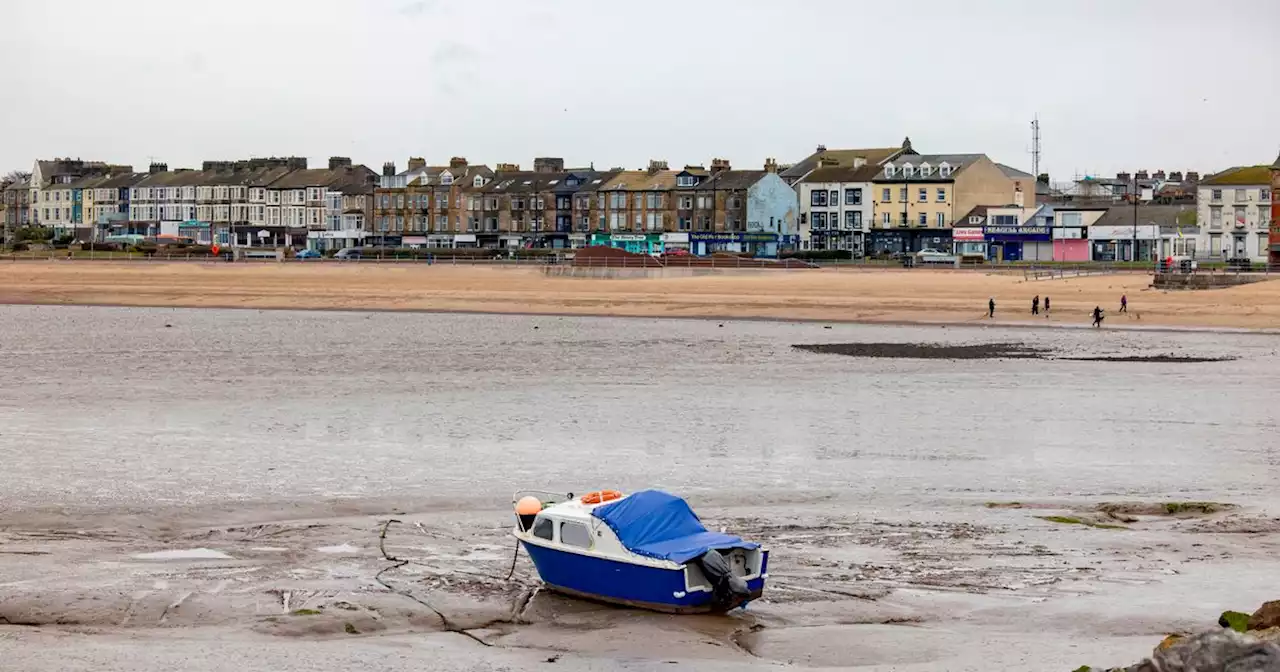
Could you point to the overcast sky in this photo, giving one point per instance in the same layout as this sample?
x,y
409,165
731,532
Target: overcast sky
x,y
1117,85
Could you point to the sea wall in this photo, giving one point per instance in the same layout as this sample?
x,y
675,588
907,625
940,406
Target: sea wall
x,y
1206,280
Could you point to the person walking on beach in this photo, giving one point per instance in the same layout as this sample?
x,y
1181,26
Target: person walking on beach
x,y
1124,303
1097,316
1046,306
1035,305
991,307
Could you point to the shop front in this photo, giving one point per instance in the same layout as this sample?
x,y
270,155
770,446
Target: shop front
x,y
1018,243
1123,243
675,241
890,242
323,241
758,244
465,240
1070,244
638,243
969,241
264,236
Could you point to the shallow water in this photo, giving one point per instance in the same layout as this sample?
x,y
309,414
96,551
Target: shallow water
x,y
123,407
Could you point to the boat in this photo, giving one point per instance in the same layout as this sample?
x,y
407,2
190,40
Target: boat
x,y
646,550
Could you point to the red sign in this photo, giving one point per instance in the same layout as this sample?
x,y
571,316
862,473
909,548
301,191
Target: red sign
x,y
967,234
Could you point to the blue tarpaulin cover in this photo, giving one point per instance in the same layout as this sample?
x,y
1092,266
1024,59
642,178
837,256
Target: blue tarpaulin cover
x,y
659,525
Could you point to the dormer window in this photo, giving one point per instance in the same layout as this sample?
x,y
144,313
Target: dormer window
x,y
908,170
925,170
446,178
975,220
944,169
478,182
686,181
889,170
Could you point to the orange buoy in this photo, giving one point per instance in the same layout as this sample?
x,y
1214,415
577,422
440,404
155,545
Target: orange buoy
x,y
528,506
601,496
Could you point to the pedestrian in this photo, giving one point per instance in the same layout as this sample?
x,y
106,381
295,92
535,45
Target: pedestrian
x,y
1046,306
991,307
1035,305
1124,303
1097,316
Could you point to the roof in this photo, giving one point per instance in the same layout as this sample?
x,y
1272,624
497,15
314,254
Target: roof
x,y
977,211
844,174
1164,215
1276,165
733,179
639,180
958,162
843,157
1015,174
1240,175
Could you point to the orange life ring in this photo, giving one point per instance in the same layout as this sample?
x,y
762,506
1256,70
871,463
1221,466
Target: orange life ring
x,y
601,496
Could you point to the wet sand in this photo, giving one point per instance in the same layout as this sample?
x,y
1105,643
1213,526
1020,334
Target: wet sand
x,y
204,489
879,295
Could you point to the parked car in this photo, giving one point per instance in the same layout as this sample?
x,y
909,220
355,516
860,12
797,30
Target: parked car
x,y
932,256
307,254
349,253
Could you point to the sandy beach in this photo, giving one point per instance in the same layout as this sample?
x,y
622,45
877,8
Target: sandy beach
x,y
873,296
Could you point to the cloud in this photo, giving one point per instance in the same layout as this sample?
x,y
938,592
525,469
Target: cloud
x,y
450,53
417,7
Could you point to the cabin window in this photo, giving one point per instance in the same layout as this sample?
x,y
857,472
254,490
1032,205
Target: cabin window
x,y
574,534
542,528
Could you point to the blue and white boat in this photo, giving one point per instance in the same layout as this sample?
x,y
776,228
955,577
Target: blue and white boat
x,y
647,549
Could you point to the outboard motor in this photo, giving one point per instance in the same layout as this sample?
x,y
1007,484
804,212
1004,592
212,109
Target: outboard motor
x,y
728,589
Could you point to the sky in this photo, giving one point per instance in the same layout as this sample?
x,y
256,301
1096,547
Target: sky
x,y
1118,85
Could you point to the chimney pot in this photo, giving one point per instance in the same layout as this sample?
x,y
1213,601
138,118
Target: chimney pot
x,y
656,165
822,148
336,162
417,163
389,169
458,162
159,168
548,164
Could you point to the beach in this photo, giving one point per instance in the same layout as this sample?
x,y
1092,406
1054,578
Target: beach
x,y
206,489
924,296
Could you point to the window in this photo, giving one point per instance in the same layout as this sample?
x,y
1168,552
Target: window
x,y
478,182
575,534
818,198
542,528
446,179
925,169
618,200
908,170
1238,215
685,223
686,202
902,194
942,220
942,195
736,201
639,201
888,170
834,198
886,195
886,219
1264,195
944,169
686,181
819,221
655,221
1004,220
1072,219
924,219
923,196
654,201
1216,194
1240,196
853,197
853,219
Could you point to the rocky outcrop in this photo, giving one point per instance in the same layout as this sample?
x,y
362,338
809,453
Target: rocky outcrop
x,y
1238,646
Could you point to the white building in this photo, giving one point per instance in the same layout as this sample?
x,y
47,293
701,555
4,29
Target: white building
x,y
836,208
1233,210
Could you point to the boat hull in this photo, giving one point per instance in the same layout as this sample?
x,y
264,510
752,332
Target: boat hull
x,y
626,584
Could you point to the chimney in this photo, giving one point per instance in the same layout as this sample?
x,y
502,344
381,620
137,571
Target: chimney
x,y
1193,176
906,146
821,149
458,162
1123,177
695,169
548,164
1142,175
417,163
1175,176
296,162
770,165
159,168
718,165
336,162
656,166
1159,175
389,169
507,168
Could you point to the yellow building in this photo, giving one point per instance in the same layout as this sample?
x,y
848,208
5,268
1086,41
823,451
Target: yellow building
x,y
917,198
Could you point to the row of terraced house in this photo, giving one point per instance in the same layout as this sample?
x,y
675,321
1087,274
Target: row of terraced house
x,y
878,201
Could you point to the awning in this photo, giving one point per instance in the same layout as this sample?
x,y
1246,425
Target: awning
x,y
659,525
